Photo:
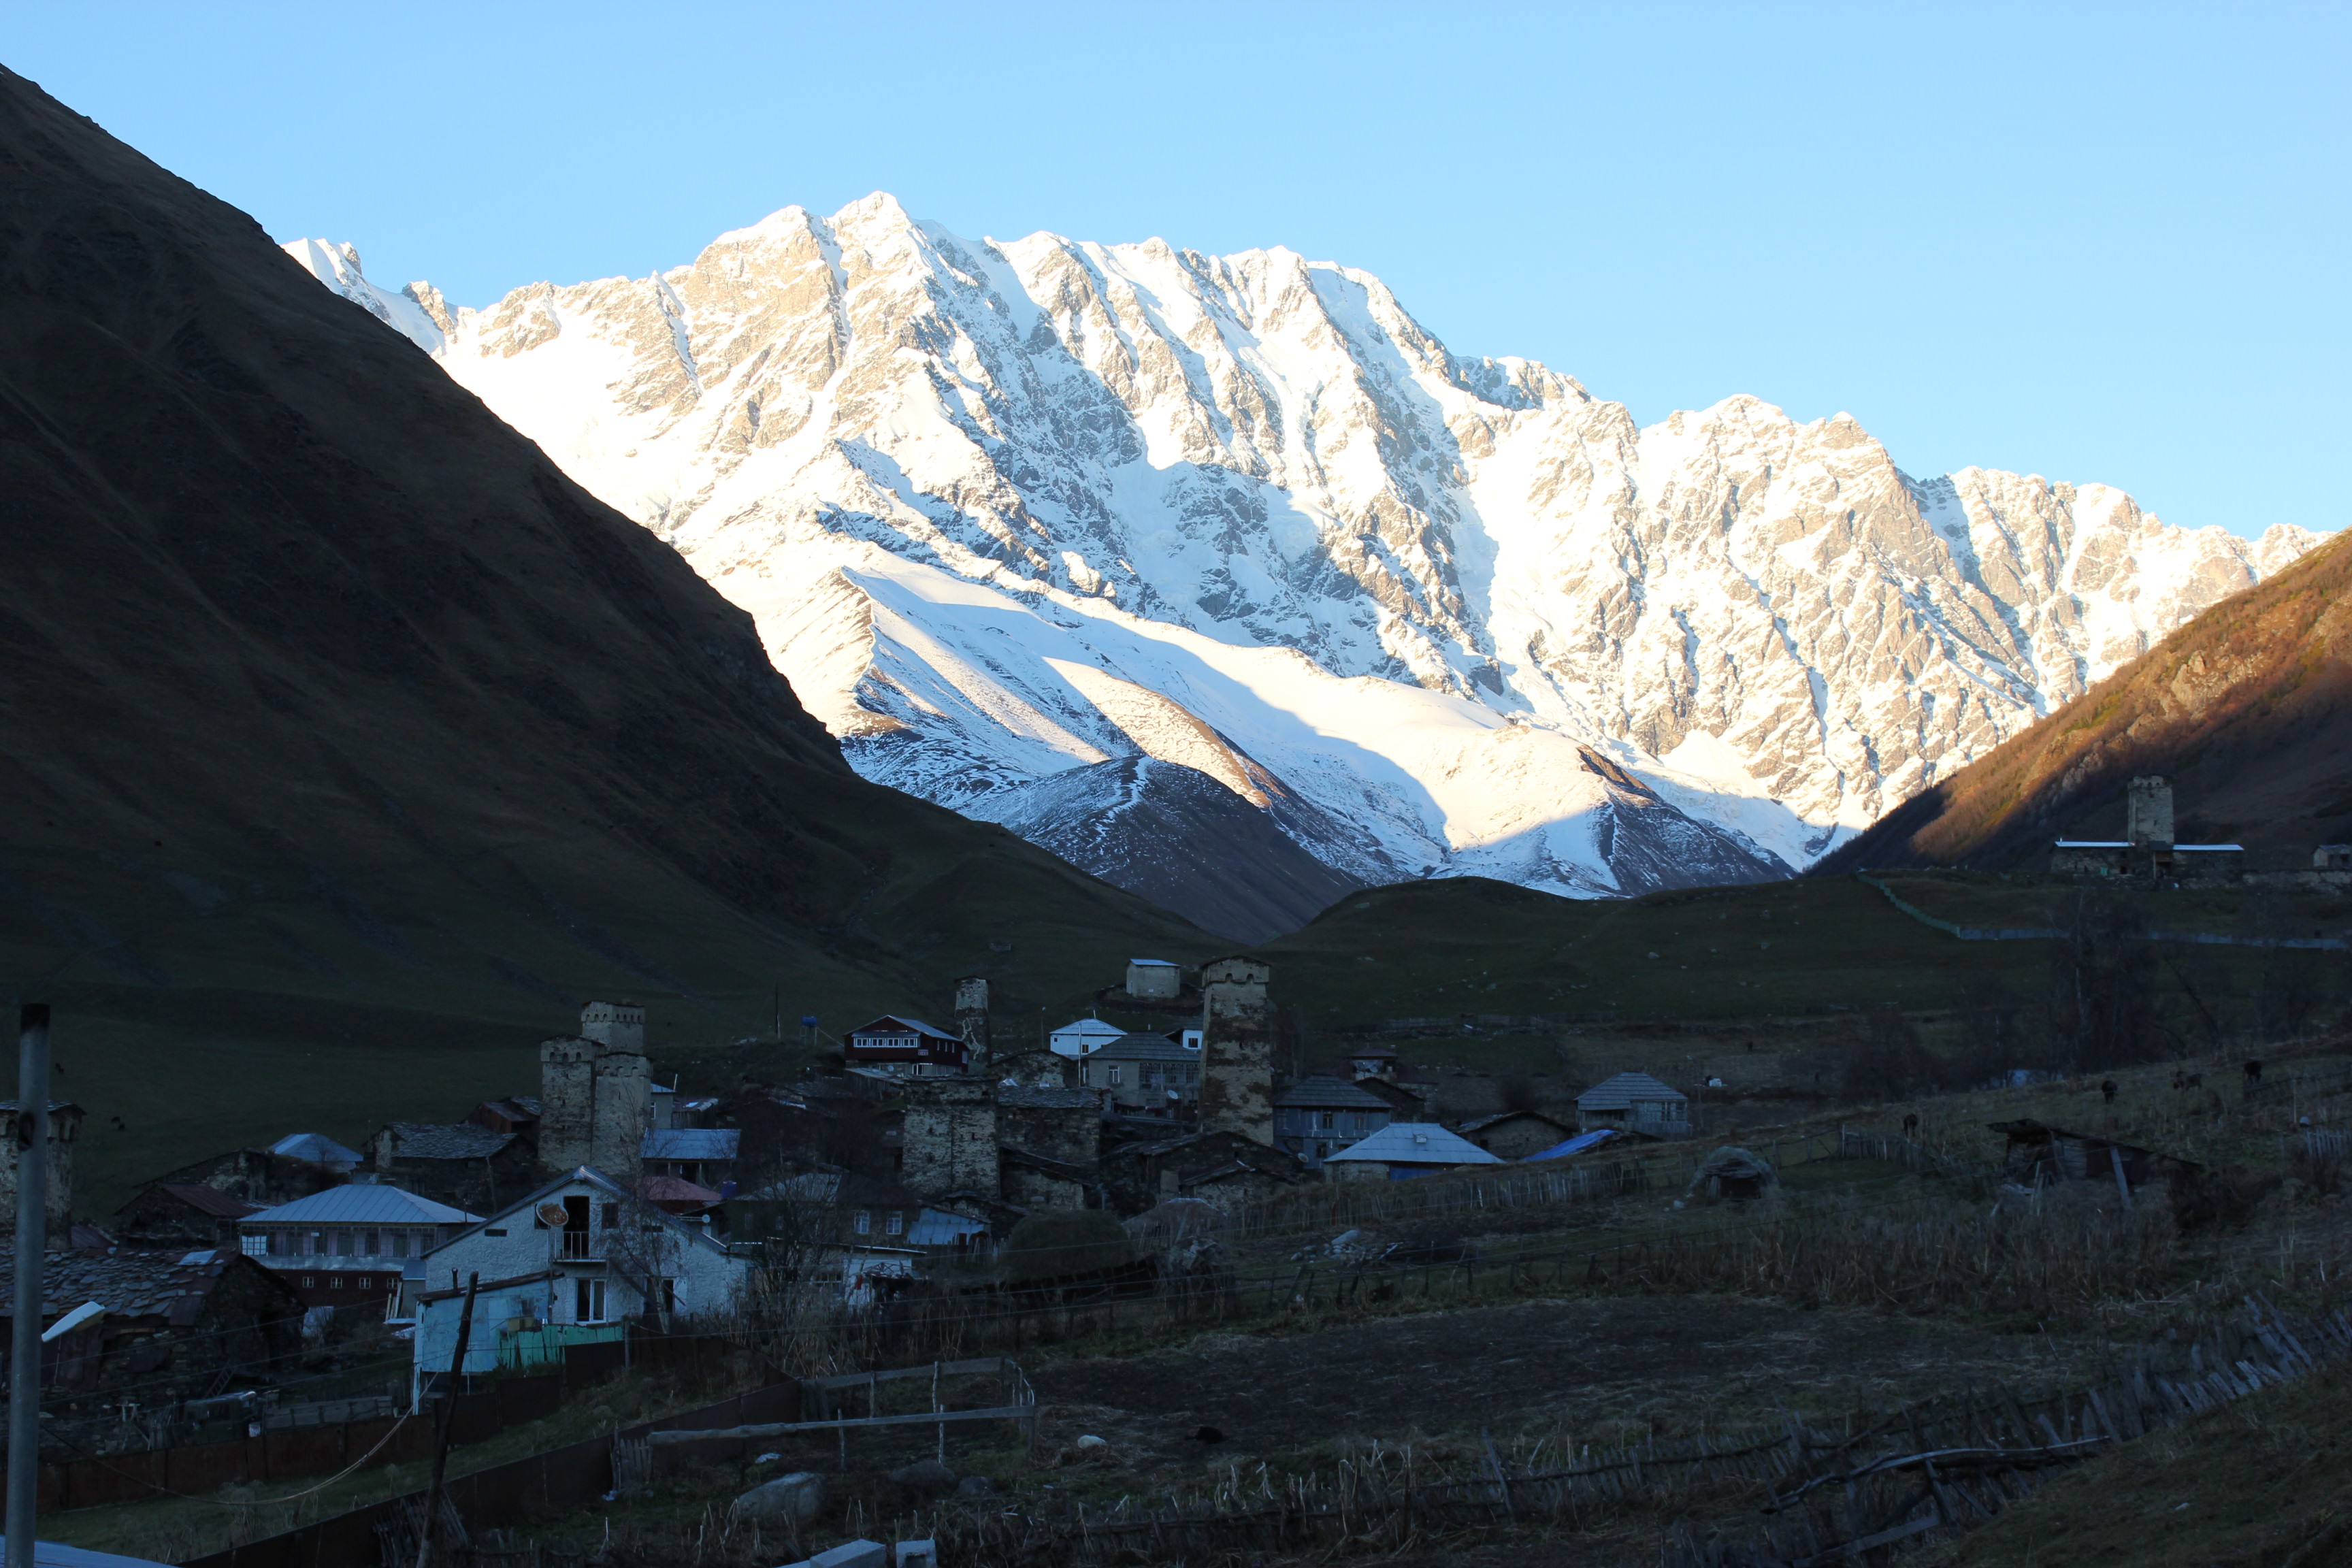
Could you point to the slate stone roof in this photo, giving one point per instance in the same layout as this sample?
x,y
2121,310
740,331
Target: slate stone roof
x,y
1619,1093
1328,1094
445,1140
126,1284
1032,1096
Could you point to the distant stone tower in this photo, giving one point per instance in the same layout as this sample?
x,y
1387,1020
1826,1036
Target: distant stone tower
x,y
1237,1048
2148,814
949,1137
972,1020
595,1092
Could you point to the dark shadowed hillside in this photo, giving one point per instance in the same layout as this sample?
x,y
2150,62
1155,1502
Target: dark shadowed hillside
x,y
349,744
2247,707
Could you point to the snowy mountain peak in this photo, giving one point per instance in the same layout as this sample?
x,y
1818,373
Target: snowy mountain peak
x,y
1009,511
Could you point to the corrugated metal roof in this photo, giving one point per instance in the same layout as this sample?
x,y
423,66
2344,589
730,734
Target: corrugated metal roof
x,y
1578,1144
445,1141
690,1143
1328,1094
366,1204
1415,1143
316,1147
882,1026
1619,1093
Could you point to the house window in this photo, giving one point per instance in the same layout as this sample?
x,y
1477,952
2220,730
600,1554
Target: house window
x,y
1114,1075
588,1301
1086,1073
308,1281
612,1216
374,1248
336,1283
400,1244
1328,1120
863,1222
492,1232
896,1224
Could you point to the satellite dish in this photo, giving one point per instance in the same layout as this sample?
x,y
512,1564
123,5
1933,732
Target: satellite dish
x,y
552,1215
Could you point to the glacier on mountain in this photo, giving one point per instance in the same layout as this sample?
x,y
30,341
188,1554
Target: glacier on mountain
x,y
1009,511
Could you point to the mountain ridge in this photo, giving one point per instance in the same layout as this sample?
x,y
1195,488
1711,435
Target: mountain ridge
x,y
945,474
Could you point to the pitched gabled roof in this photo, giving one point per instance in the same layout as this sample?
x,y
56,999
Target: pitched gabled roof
x,y
899,1024
1415,1143
366,1204
1090,1029
1328,1094
1144,1047
210,1200
317,1148
690,1143
587,1175
129,1284
445,1140
1620,1092
1502,1116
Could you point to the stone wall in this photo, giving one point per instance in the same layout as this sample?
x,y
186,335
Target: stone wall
x,y
949,1137
64,1126
567,1101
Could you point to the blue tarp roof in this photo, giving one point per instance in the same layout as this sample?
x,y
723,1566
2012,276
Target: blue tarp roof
x,y
1577,1145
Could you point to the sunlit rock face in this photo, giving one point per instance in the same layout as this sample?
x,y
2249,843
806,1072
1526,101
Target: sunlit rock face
x,y
1004,510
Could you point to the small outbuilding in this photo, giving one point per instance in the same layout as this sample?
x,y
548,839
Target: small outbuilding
x,y
1403,1150
2042,1155
1517,1134
1735,1173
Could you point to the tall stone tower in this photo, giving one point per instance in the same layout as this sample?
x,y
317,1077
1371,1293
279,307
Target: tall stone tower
x,y
596,1092
567,1101
972,1019
2148,814
65,1128
1237,1048
949,1137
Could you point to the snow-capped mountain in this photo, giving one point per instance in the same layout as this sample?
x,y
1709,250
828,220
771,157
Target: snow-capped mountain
x,y
1013,515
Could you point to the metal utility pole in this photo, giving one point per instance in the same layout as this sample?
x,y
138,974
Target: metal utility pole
x,y
32,1238
432,1519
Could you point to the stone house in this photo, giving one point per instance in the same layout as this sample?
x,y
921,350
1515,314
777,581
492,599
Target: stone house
x,y
1145,1071
348,1246
266,1177
1154,979
165,1324
463,1163
182,1215
1517,1134
1219,1167
850,1208
595,1092
1316,1116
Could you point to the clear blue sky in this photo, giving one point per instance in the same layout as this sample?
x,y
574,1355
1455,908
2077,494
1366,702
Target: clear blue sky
x,y
2096,243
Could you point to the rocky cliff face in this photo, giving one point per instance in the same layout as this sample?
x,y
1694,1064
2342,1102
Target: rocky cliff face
x,y
1004,510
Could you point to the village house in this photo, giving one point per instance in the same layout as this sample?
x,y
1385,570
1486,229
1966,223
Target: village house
x,y
1518,1134
838,1206
518,1114
1145,1071
1154,979
905,1048
268,1176
2147,852
182,1215
1636,1101
573,1260
1403,1150
1222,1168
2038,1155
158,1326
1316,1116
674,1194
348,1246
463,1163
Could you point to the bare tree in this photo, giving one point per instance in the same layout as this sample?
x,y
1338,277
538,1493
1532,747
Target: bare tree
x,y
2102,1005
1890,1063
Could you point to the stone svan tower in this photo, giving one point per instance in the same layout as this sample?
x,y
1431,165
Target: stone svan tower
x,y
2148,814
949,1137
595,1092
972,1020
1237,1048
65,1127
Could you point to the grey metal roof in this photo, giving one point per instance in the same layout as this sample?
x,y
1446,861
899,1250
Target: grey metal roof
x,y
364,1204
905,1024
1620,1092
1328,1094
690,1143
1502,1116
1415,1143
445,1141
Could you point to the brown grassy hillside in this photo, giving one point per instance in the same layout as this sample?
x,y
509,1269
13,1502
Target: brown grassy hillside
x,y
349,745
2248,707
